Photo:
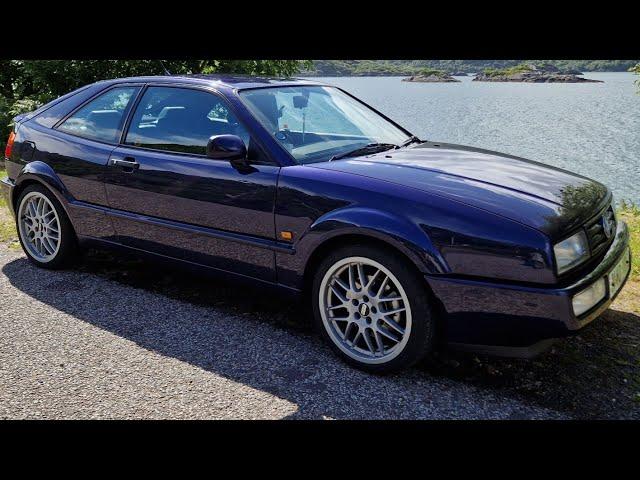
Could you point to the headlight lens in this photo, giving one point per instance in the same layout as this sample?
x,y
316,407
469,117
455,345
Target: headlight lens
x,y
589,297
571,252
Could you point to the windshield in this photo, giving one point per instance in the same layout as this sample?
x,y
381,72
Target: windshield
x,y
315,123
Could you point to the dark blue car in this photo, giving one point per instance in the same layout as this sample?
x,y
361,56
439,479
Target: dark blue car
x,y
401,244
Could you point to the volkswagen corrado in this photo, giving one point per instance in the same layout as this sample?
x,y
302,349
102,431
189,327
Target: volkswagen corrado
x,y
400,245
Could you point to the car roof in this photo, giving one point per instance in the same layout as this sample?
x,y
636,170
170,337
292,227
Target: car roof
x,y
236,82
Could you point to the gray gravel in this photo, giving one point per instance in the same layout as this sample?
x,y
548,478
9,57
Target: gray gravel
x,y
78,344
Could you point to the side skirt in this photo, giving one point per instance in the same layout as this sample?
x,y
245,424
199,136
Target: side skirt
x,y
190,266
274,245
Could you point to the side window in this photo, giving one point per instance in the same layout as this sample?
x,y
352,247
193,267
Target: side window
x,y
102,118
181,120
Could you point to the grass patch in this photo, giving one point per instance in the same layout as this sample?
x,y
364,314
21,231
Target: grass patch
x,y
8,234
3,174
630,213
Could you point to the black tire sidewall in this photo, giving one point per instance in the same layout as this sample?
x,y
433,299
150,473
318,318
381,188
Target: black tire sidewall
x,y
422,334
68,241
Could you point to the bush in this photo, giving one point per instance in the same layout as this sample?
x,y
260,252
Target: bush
x,y
496,72
429,72
636,70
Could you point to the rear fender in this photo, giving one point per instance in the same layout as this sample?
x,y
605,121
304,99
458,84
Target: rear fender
x,y
40,172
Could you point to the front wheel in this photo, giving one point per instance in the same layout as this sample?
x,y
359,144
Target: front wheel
x,y
373,308
45,233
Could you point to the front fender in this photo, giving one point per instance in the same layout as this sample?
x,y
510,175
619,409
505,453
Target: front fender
x,y
397,231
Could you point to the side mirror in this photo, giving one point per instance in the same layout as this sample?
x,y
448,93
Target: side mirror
x,y
227,147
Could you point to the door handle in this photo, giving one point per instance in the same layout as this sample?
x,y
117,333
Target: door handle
x,y
128,164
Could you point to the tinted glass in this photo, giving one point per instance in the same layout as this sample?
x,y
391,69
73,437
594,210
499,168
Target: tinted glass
x,y
314,123
54,111
102,118
181,120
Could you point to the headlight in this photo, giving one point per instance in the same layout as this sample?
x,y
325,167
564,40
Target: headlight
x,y
571,252
589,297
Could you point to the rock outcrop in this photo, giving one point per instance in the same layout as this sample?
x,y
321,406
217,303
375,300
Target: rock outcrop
x,y
533,74
430,78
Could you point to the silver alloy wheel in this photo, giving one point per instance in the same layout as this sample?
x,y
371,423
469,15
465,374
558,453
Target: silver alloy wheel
x,y
39,227
365,310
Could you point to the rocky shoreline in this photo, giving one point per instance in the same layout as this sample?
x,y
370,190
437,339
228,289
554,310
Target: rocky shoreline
x,y
534,78
533,74
432,78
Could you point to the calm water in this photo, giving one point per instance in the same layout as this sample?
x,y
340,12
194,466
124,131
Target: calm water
x,y
592,129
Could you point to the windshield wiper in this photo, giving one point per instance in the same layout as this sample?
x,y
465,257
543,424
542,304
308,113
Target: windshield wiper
x,y
370,148
409,141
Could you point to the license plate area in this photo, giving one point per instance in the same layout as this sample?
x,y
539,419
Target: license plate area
x,y
619,273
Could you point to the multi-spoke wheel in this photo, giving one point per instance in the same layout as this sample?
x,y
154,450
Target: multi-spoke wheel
x,y
373,308
45,232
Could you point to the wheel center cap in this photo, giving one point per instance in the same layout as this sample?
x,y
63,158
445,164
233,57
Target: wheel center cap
x,y
363,309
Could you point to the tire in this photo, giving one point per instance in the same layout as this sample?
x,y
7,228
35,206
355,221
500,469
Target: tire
x,y
38,212
366,339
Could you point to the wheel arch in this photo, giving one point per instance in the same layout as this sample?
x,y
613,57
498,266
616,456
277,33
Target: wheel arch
x,y
39,173
385,229
344,239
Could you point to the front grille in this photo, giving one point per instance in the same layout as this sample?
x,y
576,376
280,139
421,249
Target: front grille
x,y
601,230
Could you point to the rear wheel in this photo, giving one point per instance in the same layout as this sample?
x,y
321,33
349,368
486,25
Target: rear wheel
x,y
45,233
373,309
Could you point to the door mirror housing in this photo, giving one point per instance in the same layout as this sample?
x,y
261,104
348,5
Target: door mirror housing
x,y
227,147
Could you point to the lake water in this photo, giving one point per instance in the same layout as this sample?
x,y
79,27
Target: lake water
x,y
590,128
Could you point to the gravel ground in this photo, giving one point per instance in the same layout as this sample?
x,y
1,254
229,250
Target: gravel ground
x,y
121,338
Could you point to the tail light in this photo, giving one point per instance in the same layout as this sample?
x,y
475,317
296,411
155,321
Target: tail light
x,y
7,150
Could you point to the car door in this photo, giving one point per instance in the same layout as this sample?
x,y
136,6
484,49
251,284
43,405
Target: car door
x,y
169,198
78,149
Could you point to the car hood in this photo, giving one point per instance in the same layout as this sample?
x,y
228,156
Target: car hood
x,y
538,195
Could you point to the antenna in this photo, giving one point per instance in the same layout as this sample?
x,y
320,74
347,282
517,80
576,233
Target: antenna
x,y
166,72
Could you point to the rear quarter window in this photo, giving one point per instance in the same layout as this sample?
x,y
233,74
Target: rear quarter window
x,y
103,117
57,109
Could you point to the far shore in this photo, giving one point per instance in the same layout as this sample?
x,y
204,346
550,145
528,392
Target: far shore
x,y
404,75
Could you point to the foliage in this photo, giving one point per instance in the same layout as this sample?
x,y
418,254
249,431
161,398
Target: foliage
x,y
335,68
61,76
356,68
636,69
369,67
496,72
431,72
8,233
7,227
27,84
630,213
5,119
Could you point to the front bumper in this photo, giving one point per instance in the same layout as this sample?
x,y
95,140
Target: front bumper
x,y
6,190
495,317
